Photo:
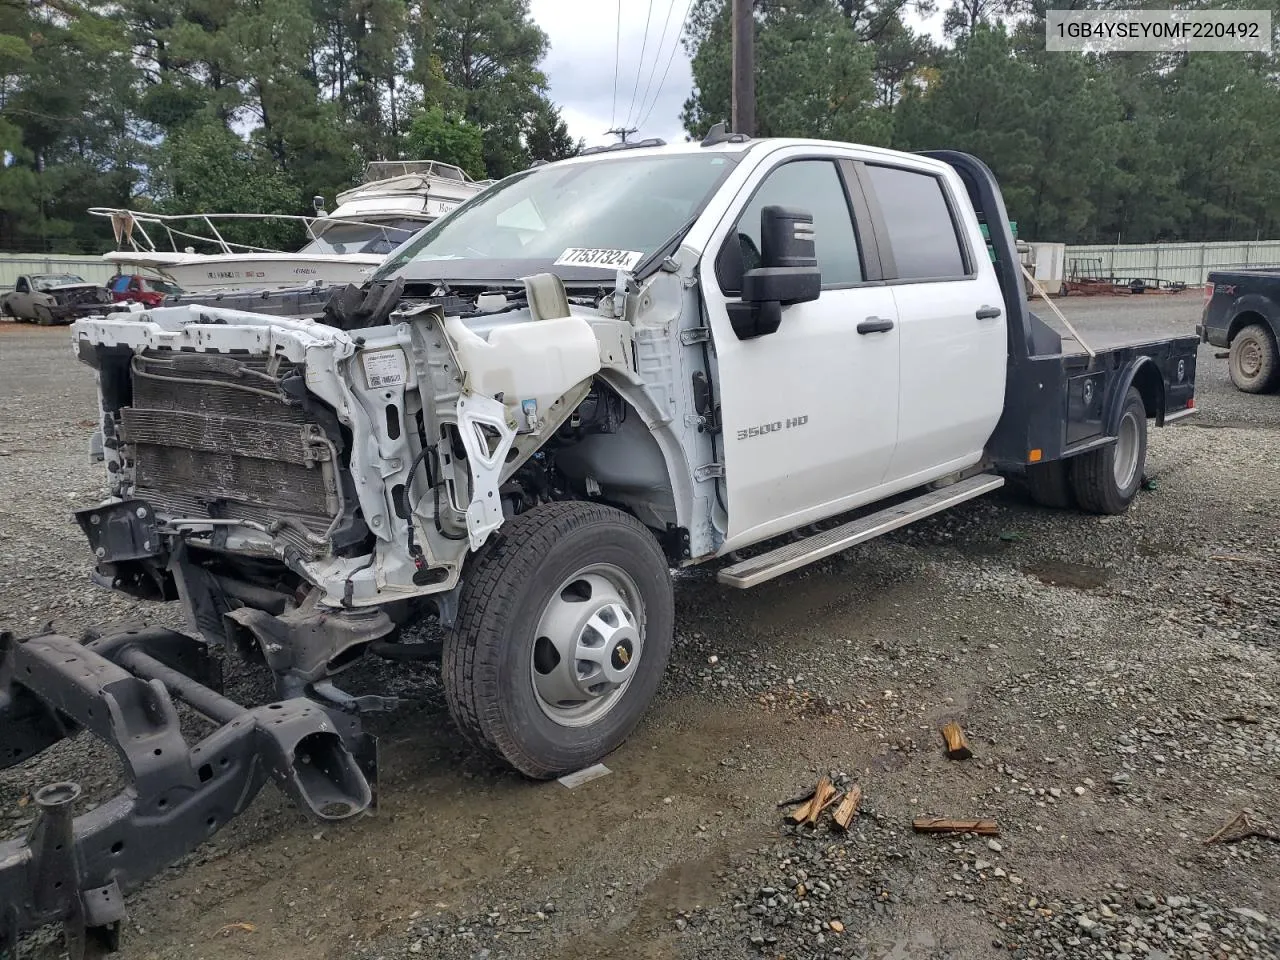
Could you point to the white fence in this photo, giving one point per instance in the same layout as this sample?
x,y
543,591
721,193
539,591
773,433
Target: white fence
x,y
14,265
1189,263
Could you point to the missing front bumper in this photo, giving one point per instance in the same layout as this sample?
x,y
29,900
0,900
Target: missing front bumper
x,y
121,688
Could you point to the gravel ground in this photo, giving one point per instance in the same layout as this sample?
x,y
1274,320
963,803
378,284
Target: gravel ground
x,y
1117,678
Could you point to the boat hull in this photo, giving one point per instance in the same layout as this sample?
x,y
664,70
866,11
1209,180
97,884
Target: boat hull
x,y
195,272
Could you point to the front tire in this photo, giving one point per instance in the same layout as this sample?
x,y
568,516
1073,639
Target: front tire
x,y
1106,480
1253,361
563,633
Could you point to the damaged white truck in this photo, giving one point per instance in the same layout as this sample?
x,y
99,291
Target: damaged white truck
x,y
758,352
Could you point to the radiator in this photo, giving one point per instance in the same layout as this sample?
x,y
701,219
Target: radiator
x,y
213,436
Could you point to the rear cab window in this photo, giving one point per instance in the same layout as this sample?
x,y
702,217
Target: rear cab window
x,y
920,227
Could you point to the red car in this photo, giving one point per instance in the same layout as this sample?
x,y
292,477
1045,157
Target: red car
x,y
147,290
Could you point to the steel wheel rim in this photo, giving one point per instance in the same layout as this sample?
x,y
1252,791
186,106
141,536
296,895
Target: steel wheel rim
x,y
1250,358
587,645
1126,457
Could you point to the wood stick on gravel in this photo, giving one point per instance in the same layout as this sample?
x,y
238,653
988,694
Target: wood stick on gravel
x,y
957,744
848,808
985,828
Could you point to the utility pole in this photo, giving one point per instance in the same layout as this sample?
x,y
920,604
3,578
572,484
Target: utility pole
x,y
622,132
744,79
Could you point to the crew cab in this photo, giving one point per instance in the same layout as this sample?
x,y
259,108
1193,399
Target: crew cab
x,y
48,298
1242,313
753,353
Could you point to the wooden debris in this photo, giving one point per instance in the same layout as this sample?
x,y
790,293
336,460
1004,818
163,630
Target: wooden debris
x,y
1241,827
957,745
985,828
802,798
848,807
823,794
230,928
1240,718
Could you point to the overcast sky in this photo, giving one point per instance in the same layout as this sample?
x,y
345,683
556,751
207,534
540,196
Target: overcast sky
x,y
580,65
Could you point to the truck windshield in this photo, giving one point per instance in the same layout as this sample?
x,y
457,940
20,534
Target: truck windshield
x,y
582,221
44,281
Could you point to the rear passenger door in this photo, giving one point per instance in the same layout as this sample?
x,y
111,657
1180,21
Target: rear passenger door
x,y
950,320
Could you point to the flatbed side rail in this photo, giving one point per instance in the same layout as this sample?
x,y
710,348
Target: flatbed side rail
x,y
121,688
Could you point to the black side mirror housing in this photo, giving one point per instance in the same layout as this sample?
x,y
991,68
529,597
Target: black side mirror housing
x,y
788,273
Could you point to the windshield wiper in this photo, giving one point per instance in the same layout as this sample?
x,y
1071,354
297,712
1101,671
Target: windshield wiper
x,y
664,249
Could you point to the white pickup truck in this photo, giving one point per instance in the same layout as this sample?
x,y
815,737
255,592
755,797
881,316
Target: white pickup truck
x,y
593,372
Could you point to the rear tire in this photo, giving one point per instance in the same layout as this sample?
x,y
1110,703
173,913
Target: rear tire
x,y
1253,360
1049,485
1106,480
572,578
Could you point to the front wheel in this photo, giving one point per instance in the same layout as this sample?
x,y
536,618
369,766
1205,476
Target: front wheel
x,y
563,633
1106,480
1252,361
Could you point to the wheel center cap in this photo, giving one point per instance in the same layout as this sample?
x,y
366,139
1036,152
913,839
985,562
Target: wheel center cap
x,y
621,656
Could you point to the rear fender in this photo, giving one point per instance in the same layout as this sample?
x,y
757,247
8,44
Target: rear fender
x,y
1144,374
1246,311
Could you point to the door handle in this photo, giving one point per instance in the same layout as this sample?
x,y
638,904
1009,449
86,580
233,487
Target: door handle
x,y
987,313
874,325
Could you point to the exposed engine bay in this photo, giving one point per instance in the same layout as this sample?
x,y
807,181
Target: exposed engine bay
x,y
301,486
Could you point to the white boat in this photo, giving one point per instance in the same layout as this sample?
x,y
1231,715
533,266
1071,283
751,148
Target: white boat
x,y
396,200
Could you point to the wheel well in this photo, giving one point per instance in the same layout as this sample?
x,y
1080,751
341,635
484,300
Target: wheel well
x,y
1150,387
1248,318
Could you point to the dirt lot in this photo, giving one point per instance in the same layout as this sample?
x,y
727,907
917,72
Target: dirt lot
x,y
1119,679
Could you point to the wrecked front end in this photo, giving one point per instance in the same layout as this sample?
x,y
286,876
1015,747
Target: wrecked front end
x,y
298,489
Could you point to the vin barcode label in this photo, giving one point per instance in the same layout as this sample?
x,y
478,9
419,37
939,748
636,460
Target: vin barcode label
x,y
1158,31
384,368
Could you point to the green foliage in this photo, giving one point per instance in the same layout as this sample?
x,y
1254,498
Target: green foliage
x,y
813,74
252,105
205,168
439,136
1087,149
258,105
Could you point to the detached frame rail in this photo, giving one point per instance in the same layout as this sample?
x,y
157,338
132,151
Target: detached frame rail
x,y
120,688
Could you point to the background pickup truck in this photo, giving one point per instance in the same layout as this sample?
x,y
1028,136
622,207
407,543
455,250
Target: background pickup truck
x,y
1242,313
137,288
48,298
748,353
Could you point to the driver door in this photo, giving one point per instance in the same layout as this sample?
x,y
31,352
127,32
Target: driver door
x,y
810,412
20,301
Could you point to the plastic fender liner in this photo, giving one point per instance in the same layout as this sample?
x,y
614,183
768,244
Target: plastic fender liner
x,y
76,869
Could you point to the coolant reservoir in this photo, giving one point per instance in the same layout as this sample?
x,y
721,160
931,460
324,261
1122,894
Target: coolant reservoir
x,y
531,364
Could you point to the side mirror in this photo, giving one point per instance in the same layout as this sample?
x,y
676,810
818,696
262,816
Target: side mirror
x,y
788,272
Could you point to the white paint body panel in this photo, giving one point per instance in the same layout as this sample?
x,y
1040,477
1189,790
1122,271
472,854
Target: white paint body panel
x,y
951,385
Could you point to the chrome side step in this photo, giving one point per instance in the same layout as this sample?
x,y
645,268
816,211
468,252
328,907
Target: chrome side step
x,y
793,556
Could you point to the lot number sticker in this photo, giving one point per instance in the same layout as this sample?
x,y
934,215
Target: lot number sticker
x,y
384,368
604,259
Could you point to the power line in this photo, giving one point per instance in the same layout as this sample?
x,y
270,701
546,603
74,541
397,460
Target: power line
x,y
640,66
675,46
617,48
648,84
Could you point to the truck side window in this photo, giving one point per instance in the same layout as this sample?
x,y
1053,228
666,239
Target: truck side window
x,y
811,185
21,286
922,231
